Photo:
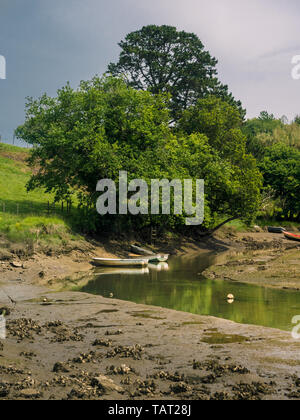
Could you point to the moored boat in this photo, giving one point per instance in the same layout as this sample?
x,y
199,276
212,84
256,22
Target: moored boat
x,y
292,236
158,258
276,229
120,262
141,251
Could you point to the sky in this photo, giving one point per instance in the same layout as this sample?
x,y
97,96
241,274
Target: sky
x,y
47,43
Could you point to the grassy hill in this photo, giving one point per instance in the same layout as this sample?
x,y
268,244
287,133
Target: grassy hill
x,y
26,224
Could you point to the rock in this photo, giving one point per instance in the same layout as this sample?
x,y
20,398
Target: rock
x,y
16,264
257,228
4,390
30,393
5,311
106,385
60,367
180,388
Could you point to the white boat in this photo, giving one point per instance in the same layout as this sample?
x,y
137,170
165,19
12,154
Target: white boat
x,y
120,262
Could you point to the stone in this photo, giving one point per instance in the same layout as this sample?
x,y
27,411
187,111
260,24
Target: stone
x,y
30,393
60,367
16,264
106,385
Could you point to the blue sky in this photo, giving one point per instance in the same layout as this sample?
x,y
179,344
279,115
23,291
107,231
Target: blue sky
x,y
47,43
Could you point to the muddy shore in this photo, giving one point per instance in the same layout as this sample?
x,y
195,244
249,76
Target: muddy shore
x,y
70,345
271,261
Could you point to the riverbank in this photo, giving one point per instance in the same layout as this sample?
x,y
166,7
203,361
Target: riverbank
x,y
72,345
270,260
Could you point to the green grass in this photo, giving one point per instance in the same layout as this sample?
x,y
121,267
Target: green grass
x,y
24,218
14,174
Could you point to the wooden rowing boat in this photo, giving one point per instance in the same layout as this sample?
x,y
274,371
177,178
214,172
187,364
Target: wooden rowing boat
x,y
158,258
149,255
141,251
275,229
155,258
118,262
292,236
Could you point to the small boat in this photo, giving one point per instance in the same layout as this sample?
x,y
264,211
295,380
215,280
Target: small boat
x,y
141,251
276,229
118,262
292,236
158,258
155,258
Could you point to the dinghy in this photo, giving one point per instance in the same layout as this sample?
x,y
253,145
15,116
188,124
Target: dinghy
x,y
292,236
119,262
141,251
158,258
275,229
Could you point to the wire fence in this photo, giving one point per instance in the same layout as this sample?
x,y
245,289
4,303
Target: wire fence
x,y
36,208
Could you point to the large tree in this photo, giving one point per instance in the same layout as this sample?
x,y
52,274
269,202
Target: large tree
x,y
162,59
84,135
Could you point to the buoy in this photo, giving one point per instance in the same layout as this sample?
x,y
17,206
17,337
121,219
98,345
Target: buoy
x,y
230,297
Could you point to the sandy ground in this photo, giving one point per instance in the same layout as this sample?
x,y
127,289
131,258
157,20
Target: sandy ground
x,y
72,345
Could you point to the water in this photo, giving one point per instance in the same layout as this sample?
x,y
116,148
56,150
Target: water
x,y
179,285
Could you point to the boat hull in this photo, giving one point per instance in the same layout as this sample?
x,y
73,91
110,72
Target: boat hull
x,y
273,229
292,236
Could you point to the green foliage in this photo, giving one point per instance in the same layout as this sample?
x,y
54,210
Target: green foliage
x,y
162,59
281,169
105,126
259,132
234,190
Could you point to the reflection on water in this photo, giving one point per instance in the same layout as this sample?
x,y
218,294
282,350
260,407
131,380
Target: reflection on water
x,y
179,285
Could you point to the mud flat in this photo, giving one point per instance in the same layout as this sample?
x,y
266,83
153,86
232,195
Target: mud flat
x,y
76,346
72,345
270,262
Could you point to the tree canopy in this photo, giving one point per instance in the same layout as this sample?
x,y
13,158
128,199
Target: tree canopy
x,y
105,126
163,60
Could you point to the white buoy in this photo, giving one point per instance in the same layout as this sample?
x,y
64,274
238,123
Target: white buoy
x,y
230,297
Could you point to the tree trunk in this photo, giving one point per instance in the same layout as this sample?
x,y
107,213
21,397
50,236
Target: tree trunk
x,y
210,232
